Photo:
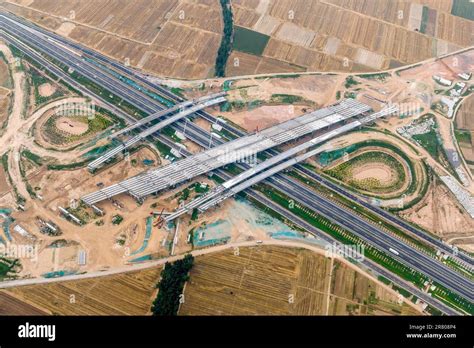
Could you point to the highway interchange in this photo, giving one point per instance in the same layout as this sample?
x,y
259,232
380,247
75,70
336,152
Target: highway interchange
x,y
239,133
290,187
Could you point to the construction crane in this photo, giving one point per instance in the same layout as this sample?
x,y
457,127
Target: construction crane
x,y
159,221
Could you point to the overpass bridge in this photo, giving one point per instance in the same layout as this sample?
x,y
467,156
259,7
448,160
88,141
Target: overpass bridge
x,y
167,176
178,107
149,131
276,164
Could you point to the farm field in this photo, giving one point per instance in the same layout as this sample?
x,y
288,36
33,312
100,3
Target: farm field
x,y
4,187
123,294
4,106
273,280
177,38
5,90
13,306
180,38
370,35
465,124
249,41
463,8
5,78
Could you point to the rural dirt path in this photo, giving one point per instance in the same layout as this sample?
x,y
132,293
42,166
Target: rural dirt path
x,y
16,135
328,292
12,138
15,120
28,141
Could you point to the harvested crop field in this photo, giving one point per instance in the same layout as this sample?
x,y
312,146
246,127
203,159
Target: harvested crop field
x,y
4,187
368,35
464,123
12,306
180,38
177,38
122,294
263,117
465,116
5,78
273,280
4,106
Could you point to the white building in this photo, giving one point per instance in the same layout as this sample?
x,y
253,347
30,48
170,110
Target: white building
x,y
180,135
458,89
465,76
175,153
82,258
217,127
442,80
450,103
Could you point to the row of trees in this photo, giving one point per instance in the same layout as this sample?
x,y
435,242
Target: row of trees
x,y
226,43
173,278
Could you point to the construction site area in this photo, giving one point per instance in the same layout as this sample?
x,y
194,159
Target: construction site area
x,y
106,174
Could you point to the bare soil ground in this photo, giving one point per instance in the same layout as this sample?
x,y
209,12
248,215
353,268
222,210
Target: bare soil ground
x,y
447,67
317,88
71,125
378,171
263,117
440,213
4,107
46,90
57,188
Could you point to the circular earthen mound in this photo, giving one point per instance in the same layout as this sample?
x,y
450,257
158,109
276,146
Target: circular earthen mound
x,y
63,128
70,125
46,90
380,172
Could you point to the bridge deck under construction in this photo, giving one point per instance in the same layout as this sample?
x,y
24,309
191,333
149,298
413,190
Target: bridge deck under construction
x,y
161,178
151,130
249,177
